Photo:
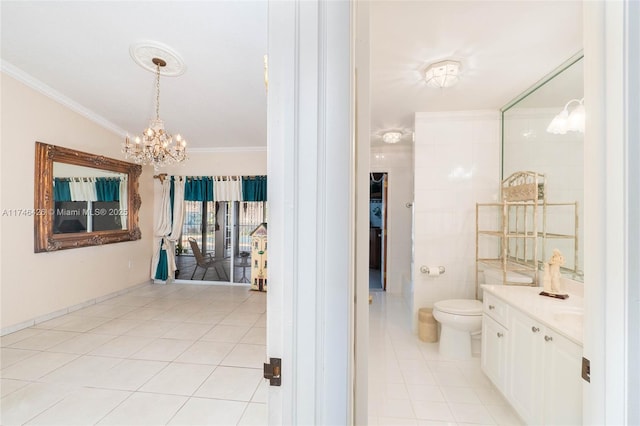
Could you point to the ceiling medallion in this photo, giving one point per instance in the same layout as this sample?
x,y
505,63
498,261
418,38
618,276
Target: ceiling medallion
x,y
143,53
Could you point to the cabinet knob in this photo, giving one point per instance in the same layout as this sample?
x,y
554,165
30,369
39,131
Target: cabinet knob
x,y
499,334
491,307
535,329
548,338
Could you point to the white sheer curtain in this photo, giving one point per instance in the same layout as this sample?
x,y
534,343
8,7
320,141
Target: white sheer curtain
x,y
162,226
124,198
166,231
83,189
227,188
176,228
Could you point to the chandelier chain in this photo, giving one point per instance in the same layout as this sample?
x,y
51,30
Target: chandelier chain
x,y
158,91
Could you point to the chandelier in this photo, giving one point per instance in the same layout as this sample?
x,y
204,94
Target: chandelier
x,y
156,146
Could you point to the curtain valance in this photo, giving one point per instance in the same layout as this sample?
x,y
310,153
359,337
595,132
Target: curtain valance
x,y
198,188
254,188
87,189
108,189
225,188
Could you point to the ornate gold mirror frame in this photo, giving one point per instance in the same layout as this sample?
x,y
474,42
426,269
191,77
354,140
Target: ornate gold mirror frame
x,y
44,206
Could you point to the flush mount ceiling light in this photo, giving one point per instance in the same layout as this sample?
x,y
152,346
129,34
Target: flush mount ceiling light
x,y
442,74
156,146
567,121
392,136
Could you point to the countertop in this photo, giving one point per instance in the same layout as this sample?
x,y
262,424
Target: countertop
x,y
563,316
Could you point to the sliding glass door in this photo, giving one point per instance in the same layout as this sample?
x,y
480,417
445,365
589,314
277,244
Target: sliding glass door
x,y
249,215
216,235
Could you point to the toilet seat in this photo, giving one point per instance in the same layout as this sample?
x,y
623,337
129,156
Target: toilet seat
x,y
465,307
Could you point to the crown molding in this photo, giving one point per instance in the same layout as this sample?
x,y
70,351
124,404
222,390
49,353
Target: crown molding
x,y
37,85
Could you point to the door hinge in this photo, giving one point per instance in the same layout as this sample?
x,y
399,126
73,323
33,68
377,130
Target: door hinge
x,y
586,369
272,371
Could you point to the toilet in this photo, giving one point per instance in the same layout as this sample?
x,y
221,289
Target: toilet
x,y
459,319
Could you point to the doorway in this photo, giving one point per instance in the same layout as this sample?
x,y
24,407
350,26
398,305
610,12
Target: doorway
x,y
378,189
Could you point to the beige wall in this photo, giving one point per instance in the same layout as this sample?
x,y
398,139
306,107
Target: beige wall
x,y
249,162
33,285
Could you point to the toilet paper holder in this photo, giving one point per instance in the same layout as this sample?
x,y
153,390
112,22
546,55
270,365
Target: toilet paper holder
x,y
426,270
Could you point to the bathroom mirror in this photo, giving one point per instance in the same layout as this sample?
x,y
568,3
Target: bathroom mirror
x,y
83,199
530,142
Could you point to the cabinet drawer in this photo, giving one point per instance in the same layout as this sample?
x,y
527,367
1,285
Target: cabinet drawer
x,y
495,308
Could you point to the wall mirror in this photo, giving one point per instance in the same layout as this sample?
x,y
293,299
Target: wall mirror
x,y
543,131
83,199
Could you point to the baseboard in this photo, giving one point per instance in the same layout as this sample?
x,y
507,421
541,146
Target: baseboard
x,y
68,310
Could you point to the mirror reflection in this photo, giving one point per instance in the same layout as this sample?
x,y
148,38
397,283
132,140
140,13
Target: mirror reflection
x,y
88,199
543,131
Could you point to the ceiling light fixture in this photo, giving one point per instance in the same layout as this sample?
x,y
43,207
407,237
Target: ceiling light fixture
x,y
392,136
442,74
156,146
569,122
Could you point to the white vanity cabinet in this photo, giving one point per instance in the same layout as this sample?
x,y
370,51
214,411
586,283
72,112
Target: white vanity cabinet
x,y
537,369
494,350
562,380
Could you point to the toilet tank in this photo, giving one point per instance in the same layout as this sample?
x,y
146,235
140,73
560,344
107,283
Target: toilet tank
x,y
494,276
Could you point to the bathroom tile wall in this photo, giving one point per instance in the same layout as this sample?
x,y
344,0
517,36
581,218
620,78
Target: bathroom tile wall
x,y
456,163
397,162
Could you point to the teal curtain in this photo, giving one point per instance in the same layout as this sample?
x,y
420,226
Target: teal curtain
x,y
61,189
162,271
108,189
198,188
254,188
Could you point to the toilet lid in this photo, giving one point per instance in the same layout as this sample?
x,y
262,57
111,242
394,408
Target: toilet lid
x,y
460,306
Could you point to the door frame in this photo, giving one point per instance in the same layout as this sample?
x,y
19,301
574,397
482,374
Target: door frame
x,y
312,175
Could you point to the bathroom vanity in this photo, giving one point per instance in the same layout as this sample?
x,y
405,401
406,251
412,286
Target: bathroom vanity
x,y
532,352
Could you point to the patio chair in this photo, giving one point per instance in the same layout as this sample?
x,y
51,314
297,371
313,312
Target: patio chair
x,y
201,261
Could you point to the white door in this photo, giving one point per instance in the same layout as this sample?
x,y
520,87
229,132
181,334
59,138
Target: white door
x,y
310,170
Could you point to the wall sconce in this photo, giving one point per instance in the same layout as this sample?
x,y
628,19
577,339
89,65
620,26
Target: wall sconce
x,y
442,74
567,121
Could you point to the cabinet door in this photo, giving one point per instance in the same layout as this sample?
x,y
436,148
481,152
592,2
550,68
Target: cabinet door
x,y
525,381
494,351
563,381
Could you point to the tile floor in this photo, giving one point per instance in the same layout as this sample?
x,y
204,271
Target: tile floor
x,y
410,384
172,354
192,355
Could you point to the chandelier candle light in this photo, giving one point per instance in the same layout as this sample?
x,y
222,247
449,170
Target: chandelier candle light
x,y
156,146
